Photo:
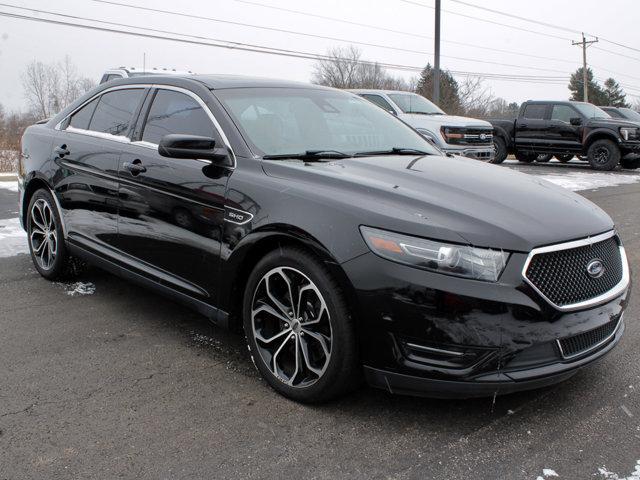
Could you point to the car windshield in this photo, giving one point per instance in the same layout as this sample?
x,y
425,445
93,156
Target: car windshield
x,y
414,103
292,121
591,111
631,114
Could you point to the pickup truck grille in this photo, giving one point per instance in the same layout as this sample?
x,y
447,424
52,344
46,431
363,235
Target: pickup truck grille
x,y
563,277
468,136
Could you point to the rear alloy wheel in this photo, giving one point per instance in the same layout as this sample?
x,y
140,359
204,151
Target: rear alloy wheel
x,y
603,155
526,157
544,158
298,327
564,157
46,239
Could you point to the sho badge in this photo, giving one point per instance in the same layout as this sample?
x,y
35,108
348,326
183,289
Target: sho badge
x,y
595,268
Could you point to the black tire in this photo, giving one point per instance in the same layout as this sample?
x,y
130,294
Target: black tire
x,y
45,235
500,150
544,157
336,373
630,163
603,154
526,157
564,157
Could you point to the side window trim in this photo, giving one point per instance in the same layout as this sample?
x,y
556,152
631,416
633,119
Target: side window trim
x,y
64,123
216,125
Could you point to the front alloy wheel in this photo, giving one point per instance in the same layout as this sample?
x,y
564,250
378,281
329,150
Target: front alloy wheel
x,y
299,329
291,326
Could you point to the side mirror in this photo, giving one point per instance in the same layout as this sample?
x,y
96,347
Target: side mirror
x,y
575,121
192,147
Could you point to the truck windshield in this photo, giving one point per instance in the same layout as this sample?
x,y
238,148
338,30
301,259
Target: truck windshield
x,y
413,103
591,111
295,121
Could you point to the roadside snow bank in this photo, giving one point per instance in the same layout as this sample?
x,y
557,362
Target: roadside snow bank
x,y
589,180
13,239
11,185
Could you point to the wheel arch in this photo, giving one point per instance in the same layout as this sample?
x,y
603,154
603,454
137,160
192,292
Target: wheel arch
x,y
255,246
599,135
31,186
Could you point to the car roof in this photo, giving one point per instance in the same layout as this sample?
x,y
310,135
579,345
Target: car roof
x,y
373,90
219,81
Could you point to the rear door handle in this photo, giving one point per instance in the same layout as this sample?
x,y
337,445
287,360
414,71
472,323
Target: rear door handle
x,y
135,167
61,151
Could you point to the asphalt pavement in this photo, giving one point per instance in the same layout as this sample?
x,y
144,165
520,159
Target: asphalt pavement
x,y
122,383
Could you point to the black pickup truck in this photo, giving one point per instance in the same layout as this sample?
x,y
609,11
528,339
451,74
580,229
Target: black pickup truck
x,y
565,129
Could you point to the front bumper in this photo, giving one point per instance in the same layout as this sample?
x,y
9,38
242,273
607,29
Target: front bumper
x,y
479,153
435,335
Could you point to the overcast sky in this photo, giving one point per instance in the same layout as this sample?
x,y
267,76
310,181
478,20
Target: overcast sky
x,y
22,41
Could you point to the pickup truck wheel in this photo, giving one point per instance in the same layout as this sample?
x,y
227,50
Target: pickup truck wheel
x,y
630,163
544,157
564,157
603,155
500,150
526,157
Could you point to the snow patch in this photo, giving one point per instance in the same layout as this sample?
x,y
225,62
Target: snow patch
x,y
11,185
13,239
547,472
606,474
79,288
589,180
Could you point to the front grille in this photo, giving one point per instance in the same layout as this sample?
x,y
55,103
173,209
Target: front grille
x,y
468,136
562,277
583,342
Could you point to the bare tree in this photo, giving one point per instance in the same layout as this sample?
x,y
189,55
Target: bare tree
x,y
49,88
344,68
476,98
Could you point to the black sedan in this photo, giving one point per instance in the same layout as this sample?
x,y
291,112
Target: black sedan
x,y
331,233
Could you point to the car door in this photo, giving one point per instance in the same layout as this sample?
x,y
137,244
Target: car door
x,y
532,127
562,134
87,148
172,210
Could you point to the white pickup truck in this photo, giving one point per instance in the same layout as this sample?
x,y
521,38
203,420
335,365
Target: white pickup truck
x,y
464,136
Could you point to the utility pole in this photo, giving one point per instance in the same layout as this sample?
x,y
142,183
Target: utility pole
x,y
584,44
436,61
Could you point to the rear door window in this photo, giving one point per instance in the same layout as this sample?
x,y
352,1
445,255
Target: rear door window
x,y
115,110
176,112
535,111
82,117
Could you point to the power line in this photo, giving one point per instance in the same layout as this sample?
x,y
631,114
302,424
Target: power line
x,y
207,41
492,22
401,32
346,40
538,22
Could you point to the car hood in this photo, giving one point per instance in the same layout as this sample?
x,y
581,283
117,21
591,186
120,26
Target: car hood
x,y
612,122
427,121
451,199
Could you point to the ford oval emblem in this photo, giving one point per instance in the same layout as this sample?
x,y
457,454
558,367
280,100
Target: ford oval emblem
x,y
595,268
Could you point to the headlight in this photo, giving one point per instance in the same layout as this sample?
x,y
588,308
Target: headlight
x,y
460,260
629,133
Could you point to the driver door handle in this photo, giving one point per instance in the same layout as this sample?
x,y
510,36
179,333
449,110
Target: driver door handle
x,y
135,167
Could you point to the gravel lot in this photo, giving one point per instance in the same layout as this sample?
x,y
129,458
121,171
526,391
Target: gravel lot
x,y
103,379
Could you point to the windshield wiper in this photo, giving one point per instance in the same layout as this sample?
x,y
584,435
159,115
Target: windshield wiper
x,y
308,155
394,151
426,113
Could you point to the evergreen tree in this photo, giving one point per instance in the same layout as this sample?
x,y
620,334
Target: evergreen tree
x,y
614,94
596,94
449,94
